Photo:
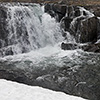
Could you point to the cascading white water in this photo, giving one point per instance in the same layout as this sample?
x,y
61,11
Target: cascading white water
x,y
30,28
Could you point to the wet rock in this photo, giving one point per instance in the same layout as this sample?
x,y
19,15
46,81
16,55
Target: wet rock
x,y
84,29
68,46
98,29
56,10
88,30
6,51
47,81
92,48
73,11
65,23
77,12
81,82
9,51
28,74
52,13
48,7
60,9
14,76
3,24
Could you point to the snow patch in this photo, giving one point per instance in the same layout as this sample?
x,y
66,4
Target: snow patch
x,y
15,91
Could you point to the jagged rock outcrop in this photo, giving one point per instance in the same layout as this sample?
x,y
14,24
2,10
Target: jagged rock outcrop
x,y
79,22
83,28
56,10
88,30
92,48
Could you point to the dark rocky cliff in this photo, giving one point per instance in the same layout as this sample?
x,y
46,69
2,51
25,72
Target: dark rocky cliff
x,y
82,27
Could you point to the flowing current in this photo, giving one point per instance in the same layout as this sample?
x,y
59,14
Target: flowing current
x,y
29,28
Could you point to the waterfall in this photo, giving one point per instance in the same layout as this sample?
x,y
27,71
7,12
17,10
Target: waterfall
x,y
29,28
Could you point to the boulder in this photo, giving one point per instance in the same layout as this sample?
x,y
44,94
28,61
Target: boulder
x,y
85,29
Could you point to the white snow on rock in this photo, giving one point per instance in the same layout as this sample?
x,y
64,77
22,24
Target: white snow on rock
x,y
15,91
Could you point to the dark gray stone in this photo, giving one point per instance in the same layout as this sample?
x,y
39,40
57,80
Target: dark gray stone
x,y
92,48
88,30
69,46
3,25
65,23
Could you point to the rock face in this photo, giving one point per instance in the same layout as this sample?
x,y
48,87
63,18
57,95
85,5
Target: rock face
x,y
80,23
82,27
3,30
88,30
69,46
56,10
4,33
66,21
81,81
